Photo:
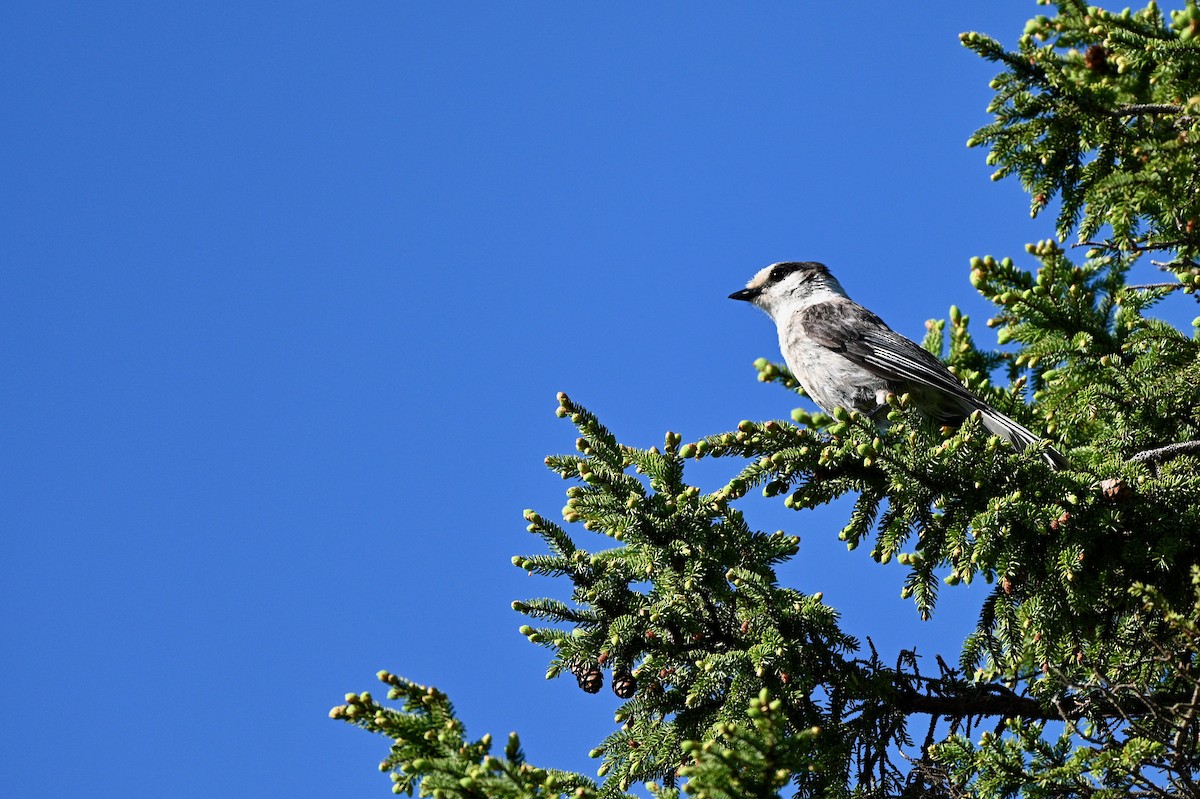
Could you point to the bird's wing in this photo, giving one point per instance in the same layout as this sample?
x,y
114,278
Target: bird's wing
x,y
862,337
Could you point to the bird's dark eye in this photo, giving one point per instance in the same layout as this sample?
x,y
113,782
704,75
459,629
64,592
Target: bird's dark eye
x,y
779,273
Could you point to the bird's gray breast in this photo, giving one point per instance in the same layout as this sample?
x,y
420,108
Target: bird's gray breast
x,y
813,341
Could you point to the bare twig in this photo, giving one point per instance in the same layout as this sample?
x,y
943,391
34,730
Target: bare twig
x,y
1143,109
1167,452
1099,245
1134,246
1171,286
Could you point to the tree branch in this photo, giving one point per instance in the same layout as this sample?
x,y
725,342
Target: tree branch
x,y
975,705
1011,705
1142,109
1145,286
1167,452
1134,246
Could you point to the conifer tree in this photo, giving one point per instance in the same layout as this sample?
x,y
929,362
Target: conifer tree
x,y
1082,677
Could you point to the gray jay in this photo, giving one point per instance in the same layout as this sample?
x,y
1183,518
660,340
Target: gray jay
x,y
845,356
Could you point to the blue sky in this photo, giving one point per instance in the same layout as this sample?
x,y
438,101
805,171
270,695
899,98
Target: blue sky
x,y
289,290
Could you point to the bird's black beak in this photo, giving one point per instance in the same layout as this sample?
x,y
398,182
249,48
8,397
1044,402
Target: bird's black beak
x,y
746,295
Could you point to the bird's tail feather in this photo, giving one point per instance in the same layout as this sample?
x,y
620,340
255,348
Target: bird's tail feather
x,y
1018,435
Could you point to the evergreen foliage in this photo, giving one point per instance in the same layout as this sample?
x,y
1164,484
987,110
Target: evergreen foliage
x,y
1080,678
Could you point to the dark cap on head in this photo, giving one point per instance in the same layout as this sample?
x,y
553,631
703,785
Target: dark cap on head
x,y
773,274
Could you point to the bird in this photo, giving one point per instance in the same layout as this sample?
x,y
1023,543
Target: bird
x,y
844,356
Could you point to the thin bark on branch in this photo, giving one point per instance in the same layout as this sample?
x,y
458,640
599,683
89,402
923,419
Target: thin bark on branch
x,y
1171,286
1166,453
975,705
1011,705
1141,109
1134,246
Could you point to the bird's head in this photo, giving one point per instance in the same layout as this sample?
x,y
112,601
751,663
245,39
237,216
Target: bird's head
x,y
786,286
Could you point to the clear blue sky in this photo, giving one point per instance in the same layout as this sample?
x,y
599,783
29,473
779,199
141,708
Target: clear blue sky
x,y
288,289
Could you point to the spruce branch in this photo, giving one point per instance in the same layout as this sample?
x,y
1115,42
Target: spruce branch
x,y
430,750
